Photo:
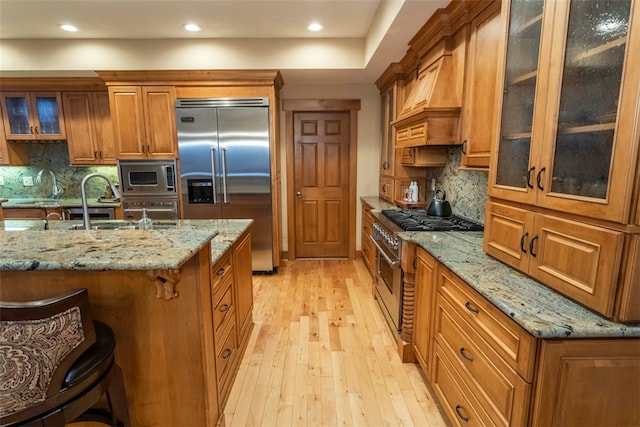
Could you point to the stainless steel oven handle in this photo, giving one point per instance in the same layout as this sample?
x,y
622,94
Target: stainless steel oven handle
x,y
382,252
213,175
149,210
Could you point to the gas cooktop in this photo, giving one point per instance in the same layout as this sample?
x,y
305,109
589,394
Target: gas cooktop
x,y
418,220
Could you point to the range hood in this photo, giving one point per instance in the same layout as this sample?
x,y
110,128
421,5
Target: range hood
x,y
431,113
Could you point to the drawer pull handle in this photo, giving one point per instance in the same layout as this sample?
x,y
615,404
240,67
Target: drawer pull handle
x,y
462,417
464,354
471,308
415,263
223,308
531,246
522,239
539,178
227,353
220,272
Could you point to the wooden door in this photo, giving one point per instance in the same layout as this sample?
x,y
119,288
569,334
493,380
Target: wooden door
x,y
81,137
128,122
425,295
104,128
159,118
321,181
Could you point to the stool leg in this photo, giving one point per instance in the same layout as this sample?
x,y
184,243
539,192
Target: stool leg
x,y
118,398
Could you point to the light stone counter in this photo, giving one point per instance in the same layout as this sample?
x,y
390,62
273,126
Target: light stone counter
x,y
32,248
538,309
377,204
56,203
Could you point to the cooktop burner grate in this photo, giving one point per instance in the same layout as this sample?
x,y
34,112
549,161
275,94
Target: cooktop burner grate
x,y
418,220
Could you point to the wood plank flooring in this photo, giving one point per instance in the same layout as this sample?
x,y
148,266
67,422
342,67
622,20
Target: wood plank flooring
x,y
321,354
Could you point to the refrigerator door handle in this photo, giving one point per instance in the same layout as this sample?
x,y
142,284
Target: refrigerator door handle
x,y
213,175
224,176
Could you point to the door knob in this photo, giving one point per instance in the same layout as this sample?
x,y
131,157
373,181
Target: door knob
x,y
299,195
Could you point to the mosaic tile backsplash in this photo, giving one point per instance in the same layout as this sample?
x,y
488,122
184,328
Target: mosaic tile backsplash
x,y
54,157
466,189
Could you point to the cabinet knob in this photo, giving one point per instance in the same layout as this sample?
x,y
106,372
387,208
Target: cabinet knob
x,y
223,308
227,353
299,194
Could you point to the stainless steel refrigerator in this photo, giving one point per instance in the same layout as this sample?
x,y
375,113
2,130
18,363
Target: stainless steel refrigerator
x,y
225,168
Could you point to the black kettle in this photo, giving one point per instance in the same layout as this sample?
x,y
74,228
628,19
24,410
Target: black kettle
x,y
439,206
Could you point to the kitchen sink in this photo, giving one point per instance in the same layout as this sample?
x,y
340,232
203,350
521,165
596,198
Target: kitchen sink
x,y
115,225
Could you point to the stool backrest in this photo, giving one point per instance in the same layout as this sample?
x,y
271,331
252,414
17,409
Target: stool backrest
x,y
39,341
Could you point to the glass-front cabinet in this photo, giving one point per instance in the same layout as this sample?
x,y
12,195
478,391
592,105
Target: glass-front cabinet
x,y
388,110
569,132
33,116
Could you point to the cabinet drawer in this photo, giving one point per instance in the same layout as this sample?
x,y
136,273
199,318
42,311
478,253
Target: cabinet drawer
x,y
456,399
220,274
503,335
226,352
503,394
223,313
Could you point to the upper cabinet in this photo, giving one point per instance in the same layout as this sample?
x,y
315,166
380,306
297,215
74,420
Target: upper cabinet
x,y
32,116
480,98
568,138
89,128
143,121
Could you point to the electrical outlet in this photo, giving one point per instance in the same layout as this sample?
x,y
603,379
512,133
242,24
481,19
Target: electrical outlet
x,y
1,180
27,181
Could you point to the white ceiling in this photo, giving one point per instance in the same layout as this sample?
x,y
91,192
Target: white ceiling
x,y
366,35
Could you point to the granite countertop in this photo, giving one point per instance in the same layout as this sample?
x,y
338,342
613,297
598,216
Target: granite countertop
x,y
538,309
60,248
57,203
541,311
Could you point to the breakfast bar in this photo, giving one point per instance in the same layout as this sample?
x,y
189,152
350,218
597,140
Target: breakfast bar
x,y
158,290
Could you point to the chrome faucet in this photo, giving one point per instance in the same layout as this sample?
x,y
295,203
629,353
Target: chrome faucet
x,y
55,190
83,194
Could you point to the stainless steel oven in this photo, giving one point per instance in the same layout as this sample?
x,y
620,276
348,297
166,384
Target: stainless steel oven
x,y
155,178
388,279
157,208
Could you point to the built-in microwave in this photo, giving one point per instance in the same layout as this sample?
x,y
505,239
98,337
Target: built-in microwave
x,y
148,177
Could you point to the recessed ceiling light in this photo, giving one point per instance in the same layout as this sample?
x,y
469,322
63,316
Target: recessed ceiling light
x,y
68,27
191,27
314,26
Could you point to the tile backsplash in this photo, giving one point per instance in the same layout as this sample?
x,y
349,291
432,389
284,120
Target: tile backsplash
x,y
54,157
466,189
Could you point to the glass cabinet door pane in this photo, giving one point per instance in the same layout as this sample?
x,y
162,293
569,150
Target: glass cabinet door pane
x,y
591,79
523,46
18,115
48,115
390,117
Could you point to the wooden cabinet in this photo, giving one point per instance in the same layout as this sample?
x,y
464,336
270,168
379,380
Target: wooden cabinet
x,y
567,139
232,308
579,260
89,128
367,247
33,116
394,176
487,370
425,294
243,289
480,98
143,121
33,213
575,383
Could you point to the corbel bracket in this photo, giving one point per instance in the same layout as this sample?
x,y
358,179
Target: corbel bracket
x,y
166,281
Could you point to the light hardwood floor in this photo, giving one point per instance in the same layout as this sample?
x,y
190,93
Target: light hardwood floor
x,y
321,354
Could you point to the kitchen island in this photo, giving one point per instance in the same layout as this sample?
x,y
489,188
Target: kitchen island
x,y
161,291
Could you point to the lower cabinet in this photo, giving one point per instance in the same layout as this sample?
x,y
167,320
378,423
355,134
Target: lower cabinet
x,y
487,370
232,306
367,247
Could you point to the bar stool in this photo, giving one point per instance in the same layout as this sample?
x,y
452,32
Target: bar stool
x,y
56,362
